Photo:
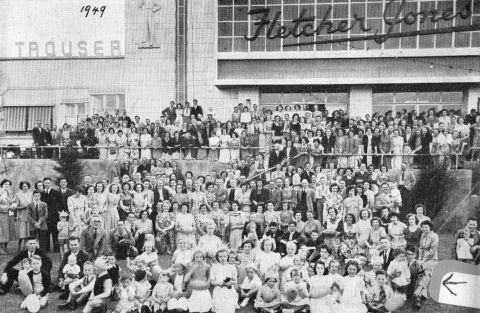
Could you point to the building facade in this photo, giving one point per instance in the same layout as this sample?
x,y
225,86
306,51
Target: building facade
x,y
362,56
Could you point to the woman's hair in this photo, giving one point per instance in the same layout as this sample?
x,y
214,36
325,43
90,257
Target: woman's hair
x,y
23,182
325,271
218,253
427,222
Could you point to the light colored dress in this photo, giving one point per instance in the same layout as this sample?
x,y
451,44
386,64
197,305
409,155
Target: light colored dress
x,y
146,141
319,285
235,224
267,262
102,205
111,216
351,297
77,208
224,299
6,201
139,203
234,149
102,146
224,149
397,148
185,222
23,199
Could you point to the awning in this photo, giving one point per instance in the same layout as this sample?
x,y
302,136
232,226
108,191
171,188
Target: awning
x,y
44,97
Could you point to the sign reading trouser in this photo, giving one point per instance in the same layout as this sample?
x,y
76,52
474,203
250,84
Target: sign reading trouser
x,y
456,283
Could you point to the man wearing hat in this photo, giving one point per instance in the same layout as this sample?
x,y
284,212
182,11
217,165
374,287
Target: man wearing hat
x,y
10,273
93,239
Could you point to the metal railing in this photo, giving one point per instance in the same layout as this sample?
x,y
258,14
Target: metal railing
x,y
179,153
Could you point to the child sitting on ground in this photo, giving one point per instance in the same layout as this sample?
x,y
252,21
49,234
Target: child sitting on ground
x,y
142,290
81,288
379,294
250,285
268,298
162,292
23,279
71,270
179,301
126,295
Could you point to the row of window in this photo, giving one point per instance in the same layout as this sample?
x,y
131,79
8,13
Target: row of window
x,y
234,23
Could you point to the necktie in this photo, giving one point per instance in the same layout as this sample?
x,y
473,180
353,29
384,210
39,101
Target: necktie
x,y
382,296
403,175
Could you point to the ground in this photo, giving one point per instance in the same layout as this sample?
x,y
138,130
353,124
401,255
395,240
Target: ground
x,y
11,302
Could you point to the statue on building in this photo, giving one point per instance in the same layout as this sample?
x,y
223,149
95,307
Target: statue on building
x,y
150,7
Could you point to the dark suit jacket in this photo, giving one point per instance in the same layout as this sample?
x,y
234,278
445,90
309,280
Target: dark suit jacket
x,y
328,144
82,257
156,195
53,201
46,262
389,258
64,199
46,281
91,244
297,238
310,200
275,159
39,136
40,215
262,197
277,237
196,110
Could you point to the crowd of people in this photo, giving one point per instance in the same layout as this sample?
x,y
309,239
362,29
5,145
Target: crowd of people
x,y
443,138
317,233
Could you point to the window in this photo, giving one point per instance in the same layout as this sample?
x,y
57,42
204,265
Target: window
x,y
234,22
107,103
23,118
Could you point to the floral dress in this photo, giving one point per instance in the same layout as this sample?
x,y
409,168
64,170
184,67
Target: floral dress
x,y
235,224
202,220
77,207
166,240
111,216
23,199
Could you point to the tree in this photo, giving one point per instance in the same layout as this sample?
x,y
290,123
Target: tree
x,y
70,168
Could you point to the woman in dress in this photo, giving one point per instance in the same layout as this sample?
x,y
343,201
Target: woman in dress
x,y
353,298
7,204
385,147
352,203
311,224
92,203
23,198
156,146
198,279
268,133
121,142
303,151
234,148
428,251
421,213
139,199
225,139
111,152
353,145
145,142
214,145
102,144
412,232
125,206
235,224
202,220
341,149
396,231
320,288
223,279
363,229
101,197
77,207
143,227
333,228
376,233
397,150
111,215
185,226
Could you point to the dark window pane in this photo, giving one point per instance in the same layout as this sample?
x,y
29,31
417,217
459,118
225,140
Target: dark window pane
x,y
269,98
225,14
257,2
258,44
337,98
462,40
241,2
224,45
452,97
240,28
224,2
405,96
224,29
374,10
340,11
429,96
240,44
241,13
290,12
273,44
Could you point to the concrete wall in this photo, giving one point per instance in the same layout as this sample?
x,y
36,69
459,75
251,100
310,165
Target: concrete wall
x,y
145,76
360,102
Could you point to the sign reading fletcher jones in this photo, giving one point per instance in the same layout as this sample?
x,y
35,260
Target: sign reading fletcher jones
x,y
61,29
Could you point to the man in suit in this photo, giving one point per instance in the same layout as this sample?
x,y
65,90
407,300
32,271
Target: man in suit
x,y
93,238
328,142
196,110
419,281
277,194
386,252
82,257
65,192
259,195
39,135
290,236
37,215
10,273
160,193
169,112
406,180
306,199
53,200
276,156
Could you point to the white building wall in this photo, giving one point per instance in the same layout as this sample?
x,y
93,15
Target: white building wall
x,y
202,61
472,98
360,101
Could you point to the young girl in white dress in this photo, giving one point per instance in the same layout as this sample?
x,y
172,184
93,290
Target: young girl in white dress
x,y
353,299
183,254
224,279
198,279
